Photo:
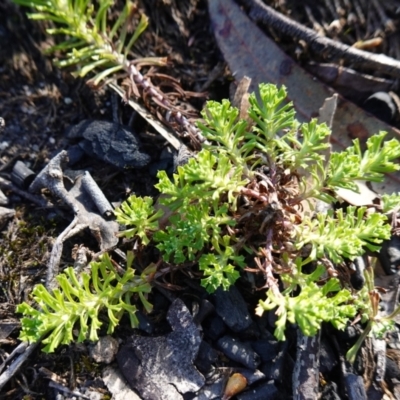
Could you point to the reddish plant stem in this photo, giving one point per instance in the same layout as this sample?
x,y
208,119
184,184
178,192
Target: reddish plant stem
x,y
160,99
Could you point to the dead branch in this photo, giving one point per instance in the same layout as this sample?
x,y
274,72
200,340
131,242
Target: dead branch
x,y
306,370
264,14
85,198
39,201
25,351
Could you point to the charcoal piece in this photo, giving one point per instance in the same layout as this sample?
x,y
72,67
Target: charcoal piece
x,y
381,105
6,328
239,352
266,349
205,309
355,387
306,371
349,334
231,307
392,370
75,154
280,367
330,392
110,142
161,368
357,279
214,388
206,357
92,189
389,255
375,392
145,324
214,327
327,357
265,391
21,175
251,376
104,231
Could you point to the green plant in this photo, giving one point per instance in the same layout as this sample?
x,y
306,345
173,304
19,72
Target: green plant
x,y
79,301
246,199
89,44
243,197
368,306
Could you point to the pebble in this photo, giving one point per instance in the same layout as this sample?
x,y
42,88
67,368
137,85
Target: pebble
x,y
3,199
3,145
104,350
117,386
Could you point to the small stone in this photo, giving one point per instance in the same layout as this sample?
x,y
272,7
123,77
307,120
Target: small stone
x,y
3,145
3,199
67,100
6,214
162,367
104,350
117,386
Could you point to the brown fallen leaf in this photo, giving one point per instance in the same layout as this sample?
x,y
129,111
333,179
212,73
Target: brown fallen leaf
x,y
349,82
249,52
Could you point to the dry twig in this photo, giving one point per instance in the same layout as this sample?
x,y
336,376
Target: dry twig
x,y
260,12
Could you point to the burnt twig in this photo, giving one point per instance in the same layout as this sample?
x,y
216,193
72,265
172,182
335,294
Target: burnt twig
x,y
83,199
260,12
25,351
306,370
